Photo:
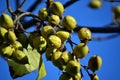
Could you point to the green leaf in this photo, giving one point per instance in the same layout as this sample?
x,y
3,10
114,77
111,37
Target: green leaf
x,y
18,70
41,71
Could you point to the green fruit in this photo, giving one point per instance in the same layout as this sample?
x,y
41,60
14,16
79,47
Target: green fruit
x,y
63,35
19,57
95,63
95,4
80,50
11,36
54,41
6,21
84,34
65,76
73,67
17,45
54,19
39,43
43,14
69,23
31,37
77,76
7,51
57,8
65,57
47,31
96,77
22,38
116,11
3,31
49,52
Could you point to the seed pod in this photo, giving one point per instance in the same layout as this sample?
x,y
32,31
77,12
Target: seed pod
x,y
95,4
39,43
54,41
54,19
22,38
80,50
7,51
17,45
43,14
3,31
57,8
95,77
49,52
63,35
65,57
77,76
19,57
31,37
56,60
116,11
69,23
6,21
11,36
65,76
73,67
47,31
95,63
84,34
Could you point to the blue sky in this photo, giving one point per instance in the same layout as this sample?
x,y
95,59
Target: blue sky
x,y
109,50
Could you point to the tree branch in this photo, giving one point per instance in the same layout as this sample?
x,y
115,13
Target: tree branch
x,y
34,5
9,8
69,3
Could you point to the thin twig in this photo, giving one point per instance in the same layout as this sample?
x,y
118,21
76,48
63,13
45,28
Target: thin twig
x,y
21,5
17,3
9,8
34,5
25,14
70,3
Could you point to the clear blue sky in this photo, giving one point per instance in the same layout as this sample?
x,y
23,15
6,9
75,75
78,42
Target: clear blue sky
x,y
109,50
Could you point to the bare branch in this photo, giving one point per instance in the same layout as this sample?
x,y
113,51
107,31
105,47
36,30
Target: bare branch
x,y
17,3
105,29
35,4
21,5
106,37
70,3
8,7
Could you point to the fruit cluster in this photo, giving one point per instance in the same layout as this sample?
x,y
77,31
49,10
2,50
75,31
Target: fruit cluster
x,y
50,38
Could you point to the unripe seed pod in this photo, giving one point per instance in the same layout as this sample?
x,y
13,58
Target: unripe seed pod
x,y
63,35
39,43
95,4
11,36
54,41
116,11
47,31
7,51
77,76
69,23
19,57
80,50
84,34
6,21
95,63
22,38
96,77
17,45
57,8
65,76
3,31
49,52
56,60
65,57
54,19
73,67
43,14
